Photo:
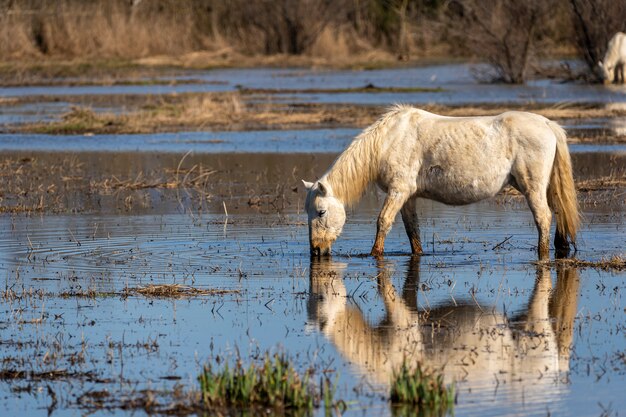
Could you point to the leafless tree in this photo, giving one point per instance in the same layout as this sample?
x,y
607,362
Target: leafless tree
x,y
280,26
504,33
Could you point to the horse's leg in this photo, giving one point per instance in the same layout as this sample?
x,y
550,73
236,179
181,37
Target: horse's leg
x,y
618,74
534,187
538,203
411,225
391,206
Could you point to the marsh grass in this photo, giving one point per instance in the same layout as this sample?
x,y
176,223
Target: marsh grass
x,y
176,291
210,111
152,290
601,183
81,120
612,263
421,388
592,185
37,185
193,178
274,384
249,109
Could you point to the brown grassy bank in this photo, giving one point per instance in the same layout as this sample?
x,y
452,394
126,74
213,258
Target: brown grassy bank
x,y
256,110
193,112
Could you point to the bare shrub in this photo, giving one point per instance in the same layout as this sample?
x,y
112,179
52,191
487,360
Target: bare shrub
x,y
338,42
503,33
595,22
404,27
277,26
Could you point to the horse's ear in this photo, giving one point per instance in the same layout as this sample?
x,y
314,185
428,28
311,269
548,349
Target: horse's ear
x,y
307,184
323,188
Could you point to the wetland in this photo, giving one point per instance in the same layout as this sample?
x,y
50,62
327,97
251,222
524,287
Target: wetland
x,y
152,227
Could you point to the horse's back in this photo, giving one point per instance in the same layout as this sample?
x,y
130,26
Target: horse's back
x,y
499,133
459,160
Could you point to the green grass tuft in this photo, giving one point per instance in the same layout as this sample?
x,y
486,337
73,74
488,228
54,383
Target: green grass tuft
x,y
274,384
421,388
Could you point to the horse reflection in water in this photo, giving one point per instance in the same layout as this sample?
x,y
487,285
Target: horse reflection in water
x,y
471,344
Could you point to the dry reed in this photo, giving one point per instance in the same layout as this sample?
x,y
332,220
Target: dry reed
x,y
176,291
613,263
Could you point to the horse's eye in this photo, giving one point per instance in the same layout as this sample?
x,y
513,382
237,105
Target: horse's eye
x,y
321,213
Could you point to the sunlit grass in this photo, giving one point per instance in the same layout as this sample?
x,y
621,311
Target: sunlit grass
x,y
422,389
274,384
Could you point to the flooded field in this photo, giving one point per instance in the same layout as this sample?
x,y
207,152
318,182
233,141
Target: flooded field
x,y
456,82
93,226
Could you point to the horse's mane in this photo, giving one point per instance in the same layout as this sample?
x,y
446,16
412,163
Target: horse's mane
x,y
358,165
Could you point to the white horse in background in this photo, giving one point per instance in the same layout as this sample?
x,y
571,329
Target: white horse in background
x,y
612,66
412,153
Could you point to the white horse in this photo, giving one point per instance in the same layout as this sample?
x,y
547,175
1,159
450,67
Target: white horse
x,y
412,153
612,66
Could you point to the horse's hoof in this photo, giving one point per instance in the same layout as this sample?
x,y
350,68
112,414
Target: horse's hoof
x,y
376,253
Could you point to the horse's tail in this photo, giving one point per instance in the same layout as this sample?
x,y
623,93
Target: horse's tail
x,y
562,192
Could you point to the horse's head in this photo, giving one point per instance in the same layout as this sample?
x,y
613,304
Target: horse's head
x,y
606,72
326,216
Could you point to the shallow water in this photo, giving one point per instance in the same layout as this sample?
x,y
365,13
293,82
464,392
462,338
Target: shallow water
x,y
517,339
490,314
274,141
261,141
456,80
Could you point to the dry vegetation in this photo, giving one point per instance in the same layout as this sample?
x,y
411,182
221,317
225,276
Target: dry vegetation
x,y
176,291
69,184
505,33
614,263
32,185
73,37
215,111
255,109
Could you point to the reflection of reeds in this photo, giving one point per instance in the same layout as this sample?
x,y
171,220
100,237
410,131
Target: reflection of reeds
x,y
36,185
193,178
28,185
